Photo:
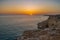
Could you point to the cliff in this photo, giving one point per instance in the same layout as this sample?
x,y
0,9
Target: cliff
x,y
40,35
47,30
52,22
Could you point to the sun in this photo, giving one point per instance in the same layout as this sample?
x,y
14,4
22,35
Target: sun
x,y
29,9
30,14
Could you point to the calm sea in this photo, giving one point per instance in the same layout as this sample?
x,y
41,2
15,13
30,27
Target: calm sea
x,y
12,26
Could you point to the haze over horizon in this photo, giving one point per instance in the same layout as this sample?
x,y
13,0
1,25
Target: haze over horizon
x,y
29,6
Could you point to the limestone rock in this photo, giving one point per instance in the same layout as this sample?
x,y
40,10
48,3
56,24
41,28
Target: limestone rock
x,y
40,35
50,30
52,22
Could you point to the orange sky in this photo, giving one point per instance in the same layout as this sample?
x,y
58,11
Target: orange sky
x,y
29,7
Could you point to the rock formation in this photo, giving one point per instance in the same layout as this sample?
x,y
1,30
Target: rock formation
x,y
51,33
40,35
42,25
52,22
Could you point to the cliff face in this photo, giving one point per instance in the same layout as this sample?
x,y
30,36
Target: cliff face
x,y
52,22
47,30
40,35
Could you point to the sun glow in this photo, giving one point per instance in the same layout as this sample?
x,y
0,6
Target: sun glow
x,y
31,14
29,9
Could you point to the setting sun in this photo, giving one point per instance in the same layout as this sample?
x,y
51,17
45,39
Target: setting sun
x,y
29,9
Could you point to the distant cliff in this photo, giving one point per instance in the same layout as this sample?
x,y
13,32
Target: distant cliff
x,y
47,30
52,22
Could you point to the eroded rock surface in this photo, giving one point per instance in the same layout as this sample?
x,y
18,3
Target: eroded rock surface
x,y
52,22
41,35
47,30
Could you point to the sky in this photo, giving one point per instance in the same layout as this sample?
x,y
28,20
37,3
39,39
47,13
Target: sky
x,y
29,6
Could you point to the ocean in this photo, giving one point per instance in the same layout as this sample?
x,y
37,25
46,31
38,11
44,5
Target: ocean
x,y
13,26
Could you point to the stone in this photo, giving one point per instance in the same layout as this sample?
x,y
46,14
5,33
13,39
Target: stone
x,y
41,35
50,30
52,22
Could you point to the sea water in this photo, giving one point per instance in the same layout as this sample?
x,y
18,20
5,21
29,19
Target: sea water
x,y
13,26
